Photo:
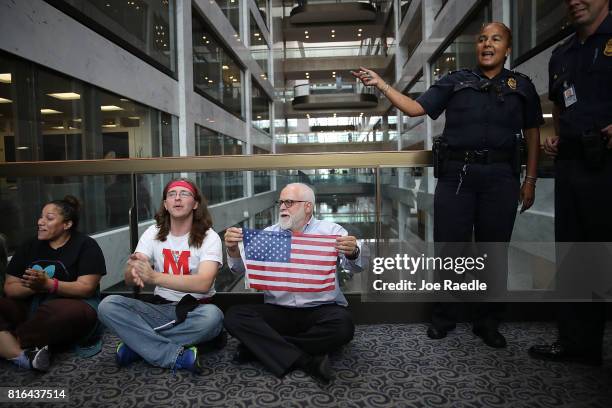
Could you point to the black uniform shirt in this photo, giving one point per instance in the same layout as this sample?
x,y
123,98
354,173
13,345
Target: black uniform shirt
x,y
483,113
588,69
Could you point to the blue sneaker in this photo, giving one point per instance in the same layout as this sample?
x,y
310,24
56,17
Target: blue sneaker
x,y
126,355
188,360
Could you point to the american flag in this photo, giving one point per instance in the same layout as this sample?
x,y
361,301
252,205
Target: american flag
x,y
282,261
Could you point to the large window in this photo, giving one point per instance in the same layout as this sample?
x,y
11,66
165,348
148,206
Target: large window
x,y
231,9
225,185
461,52
536,24
144,27
260,105
216,74
48,116
259,47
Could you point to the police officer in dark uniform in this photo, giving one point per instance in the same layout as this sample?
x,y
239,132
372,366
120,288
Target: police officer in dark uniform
x,y
580,85
478,189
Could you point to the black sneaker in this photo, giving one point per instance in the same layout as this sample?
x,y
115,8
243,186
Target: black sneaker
x,y
39,359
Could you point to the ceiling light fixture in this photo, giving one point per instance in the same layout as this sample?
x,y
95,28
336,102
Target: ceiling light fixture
x,y
65,96
225,67
110,108
5,78
46,111
4,100
360,30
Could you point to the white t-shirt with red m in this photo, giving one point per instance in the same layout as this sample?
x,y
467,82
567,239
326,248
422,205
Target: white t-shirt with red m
x,y
175,256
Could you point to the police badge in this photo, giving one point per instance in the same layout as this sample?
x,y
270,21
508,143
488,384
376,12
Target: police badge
x,y
608,49
512,83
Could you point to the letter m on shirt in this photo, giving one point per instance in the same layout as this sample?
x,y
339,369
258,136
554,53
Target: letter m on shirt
x,y
178,261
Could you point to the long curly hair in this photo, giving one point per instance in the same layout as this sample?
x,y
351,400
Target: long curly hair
x,y
202,220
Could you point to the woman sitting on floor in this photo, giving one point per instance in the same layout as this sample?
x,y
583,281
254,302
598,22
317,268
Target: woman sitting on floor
x,y
51,289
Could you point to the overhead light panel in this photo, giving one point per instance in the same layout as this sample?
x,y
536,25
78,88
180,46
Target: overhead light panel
x,y
5,78
4,100
110,108
547,115
109,126
46,111
65,96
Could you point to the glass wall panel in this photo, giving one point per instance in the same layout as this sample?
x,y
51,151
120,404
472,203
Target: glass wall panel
x,y
262,179
414,33
49,116
216,74
262,6
231,9
414,131
461,53
147,27
259,47
535,23
225,185
404,6
260,105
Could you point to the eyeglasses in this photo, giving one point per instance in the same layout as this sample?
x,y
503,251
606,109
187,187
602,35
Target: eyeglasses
x,y
289,203
182,194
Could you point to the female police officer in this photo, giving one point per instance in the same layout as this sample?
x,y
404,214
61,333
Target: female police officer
x,y
486,108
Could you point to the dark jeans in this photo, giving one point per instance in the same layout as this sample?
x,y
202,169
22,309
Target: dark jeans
x,y
278,336
58,322
483,211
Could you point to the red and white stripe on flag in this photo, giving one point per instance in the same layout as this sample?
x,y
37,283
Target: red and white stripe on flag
x,y
311,267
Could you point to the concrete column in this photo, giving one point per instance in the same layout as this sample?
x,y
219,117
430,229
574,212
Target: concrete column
x,y
184,68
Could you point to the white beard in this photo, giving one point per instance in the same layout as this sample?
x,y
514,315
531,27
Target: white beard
x,y
289,222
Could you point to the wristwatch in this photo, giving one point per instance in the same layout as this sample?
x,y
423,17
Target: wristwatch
x,y
354,255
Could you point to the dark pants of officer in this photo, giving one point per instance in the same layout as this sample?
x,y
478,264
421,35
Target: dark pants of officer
x,y
278,336
583,205
484,210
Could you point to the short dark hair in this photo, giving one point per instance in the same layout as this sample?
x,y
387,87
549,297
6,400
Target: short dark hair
x,y
69,208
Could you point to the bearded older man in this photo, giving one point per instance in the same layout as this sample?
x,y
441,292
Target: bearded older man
x,y
294,330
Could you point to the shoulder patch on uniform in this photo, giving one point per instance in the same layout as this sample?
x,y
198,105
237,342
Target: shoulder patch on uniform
x,y
520,74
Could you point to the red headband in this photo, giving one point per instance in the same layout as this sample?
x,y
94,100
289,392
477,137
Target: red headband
x,y
181,183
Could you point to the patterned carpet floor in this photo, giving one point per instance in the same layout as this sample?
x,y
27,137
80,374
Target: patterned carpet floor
x,y
384,366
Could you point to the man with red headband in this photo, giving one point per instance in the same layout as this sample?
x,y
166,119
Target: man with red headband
x,y
180,255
